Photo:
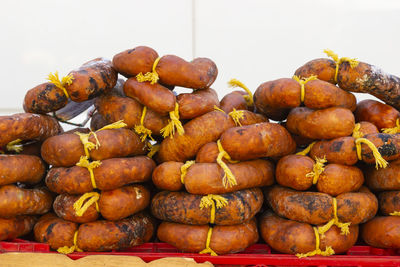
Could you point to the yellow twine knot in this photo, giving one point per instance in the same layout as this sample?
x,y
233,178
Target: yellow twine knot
x,y
81,208
356,131
213,201
140,129
184,169
115,125
302,82
84,162
68,250
153,149
173,123
352,61
55,79
328,251
318,168
307,149
248,97
229,179
344,227
151,77
379,161
208,249
15,146
237,115
395,213
394,130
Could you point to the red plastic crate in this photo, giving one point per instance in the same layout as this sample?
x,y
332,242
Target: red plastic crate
x,y
258,255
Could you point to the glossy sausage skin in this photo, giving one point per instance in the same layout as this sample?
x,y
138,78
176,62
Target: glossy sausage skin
x,y
111,174
16,201
181,207
208,153
44,98
192,238
324,68
234,100
21,168
27,126
293,237
321,124
197,103
16,226
66,149
384,178
382,232
63,206
389,202
380,114
206,178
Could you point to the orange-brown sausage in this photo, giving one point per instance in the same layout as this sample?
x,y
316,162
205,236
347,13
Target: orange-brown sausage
x,y
27,126
321,124
97,121
66,149
63,206
206,178
21,168
389,202
197,103
181,207
383,179
324,68
367,128
111,174
16,201
15,227
44,98
234,100
224,239
133,61
380,114
293,237
208,153
382,232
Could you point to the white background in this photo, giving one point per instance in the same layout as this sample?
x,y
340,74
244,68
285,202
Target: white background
x,y
251,40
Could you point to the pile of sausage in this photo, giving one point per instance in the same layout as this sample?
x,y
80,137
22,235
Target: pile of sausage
x,y
201,174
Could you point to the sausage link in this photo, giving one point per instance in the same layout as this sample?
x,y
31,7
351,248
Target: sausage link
x,y
63,206
44,98
389,202
380,114
15,227
197,103
324,68
383,179
21,168
234,100
382,232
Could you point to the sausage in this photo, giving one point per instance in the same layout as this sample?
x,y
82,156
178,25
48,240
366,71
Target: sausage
x,y
367,128
323,68
197,103
380,114
44,98
181,207
111,174
208,153
16,201
154,96
234,100
200,131
224,239
97,121
384,178
327,123
91,79
114,108
66,149
207,178
200,73
27,126
63,206
131,62
317,208
15,227
293,237
261,139
21,168
292,171
285,93
382,232
389,202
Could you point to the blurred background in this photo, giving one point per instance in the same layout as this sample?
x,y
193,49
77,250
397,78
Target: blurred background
x,y
253,40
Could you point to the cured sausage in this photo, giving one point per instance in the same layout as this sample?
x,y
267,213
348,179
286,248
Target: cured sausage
x,y
15,227
382,232
197,103
380,114
21,168
385,178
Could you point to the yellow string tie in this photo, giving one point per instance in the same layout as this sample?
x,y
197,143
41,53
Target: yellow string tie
x,y
115,125
68,250
248,97
208,249
217,108
141,130
153,149
307,149
213,201
173,123
352,61
328,251
151,77
302,82
229,179
379,161
356,131
15,146
394,130
185,168
55,79
237,115
395,213
79,206
344,227
84,162
318,168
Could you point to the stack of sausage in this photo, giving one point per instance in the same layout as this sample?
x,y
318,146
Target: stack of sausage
x,y
321,115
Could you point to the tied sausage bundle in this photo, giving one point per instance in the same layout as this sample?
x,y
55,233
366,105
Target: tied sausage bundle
x,y
95,174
